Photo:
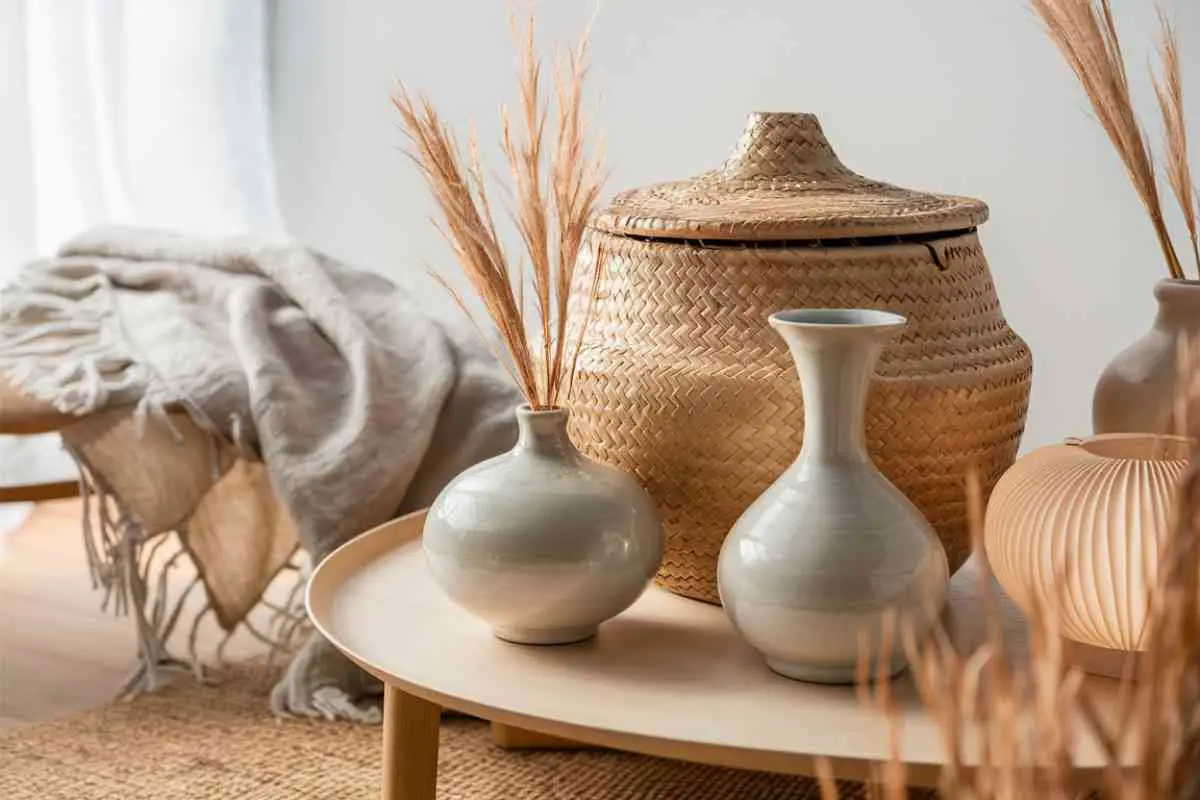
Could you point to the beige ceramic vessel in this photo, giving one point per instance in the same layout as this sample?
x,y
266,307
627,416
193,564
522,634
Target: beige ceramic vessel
x,y
1136,392
1079,526
812,567
543,542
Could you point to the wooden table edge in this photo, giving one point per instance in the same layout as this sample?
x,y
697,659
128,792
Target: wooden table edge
x,y
382,539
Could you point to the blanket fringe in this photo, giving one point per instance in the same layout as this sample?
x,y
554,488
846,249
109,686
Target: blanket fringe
x,y
121,562
125,564
63,341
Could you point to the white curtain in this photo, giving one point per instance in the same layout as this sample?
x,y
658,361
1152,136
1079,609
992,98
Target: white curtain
x,y
146,112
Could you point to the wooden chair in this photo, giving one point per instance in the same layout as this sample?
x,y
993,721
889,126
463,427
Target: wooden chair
x,y
22,415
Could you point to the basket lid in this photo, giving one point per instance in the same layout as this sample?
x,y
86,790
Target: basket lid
x,y
784,182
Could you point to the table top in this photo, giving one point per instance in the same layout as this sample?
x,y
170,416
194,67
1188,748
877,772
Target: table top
x,y
669,677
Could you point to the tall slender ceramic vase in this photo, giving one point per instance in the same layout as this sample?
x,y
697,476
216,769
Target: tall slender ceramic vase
x,y
1136,392
543,542
815,563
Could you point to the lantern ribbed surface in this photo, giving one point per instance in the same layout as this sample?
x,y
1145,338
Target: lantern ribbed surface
x,y
1079,527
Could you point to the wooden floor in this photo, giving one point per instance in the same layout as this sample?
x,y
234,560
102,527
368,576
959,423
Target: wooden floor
x,y
59,652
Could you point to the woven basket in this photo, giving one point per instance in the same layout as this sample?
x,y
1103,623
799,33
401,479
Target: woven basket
x,y
681,381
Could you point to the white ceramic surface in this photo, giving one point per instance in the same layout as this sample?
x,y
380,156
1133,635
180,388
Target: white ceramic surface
x,y
814,564
542,542
1136,393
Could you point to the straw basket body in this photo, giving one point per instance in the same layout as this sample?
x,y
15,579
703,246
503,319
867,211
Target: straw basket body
x,y
681,381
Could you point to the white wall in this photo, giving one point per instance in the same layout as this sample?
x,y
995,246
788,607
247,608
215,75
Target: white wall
x,y
961,96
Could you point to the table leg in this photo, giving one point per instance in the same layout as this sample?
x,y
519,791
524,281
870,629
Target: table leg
x,y
410,746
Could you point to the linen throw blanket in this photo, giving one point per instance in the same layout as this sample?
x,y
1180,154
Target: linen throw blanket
x,y
245,394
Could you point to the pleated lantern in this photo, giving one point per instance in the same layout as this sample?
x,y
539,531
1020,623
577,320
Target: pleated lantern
x,y
681,381
1078,527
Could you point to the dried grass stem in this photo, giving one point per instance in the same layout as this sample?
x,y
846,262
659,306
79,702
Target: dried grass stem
x,y
553,188
1086,34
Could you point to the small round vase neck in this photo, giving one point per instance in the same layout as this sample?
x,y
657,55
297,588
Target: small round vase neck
x,y
1177,292
526,410
544,431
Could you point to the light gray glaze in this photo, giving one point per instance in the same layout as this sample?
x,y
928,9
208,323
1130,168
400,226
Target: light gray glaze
x,y
1136,392
542,542
816,561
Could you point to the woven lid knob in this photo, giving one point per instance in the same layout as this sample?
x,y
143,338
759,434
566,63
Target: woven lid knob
x,y
782,145
783,182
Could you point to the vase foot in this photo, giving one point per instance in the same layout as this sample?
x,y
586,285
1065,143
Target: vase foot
x,y
544,635
1101,660
837,675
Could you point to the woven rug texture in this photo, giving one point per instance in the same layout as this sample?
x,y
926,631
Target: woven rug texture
x,y
212,742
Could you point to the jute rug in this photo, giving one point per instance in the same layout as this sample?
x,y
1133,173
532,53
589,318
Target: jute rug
x,y
193,742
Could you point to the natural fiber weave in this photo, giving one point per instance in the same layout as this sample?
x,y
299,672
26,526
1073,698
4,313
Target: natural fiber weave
x,y
682,382
783,181
195,742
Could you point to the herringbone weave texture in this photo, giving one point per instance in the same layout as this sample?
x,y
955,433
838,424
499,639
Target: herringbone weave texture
x,y
682,382
783,181
220,742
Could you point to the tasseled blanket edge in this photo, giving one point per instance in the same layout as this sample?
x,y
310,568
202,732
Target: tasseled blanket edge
x,y
122,564
61,342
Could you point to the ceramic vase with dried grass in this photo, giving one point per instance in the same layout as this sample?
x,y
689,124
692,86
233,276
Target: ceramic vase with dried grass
x,y
542,542
1137,390
1094,539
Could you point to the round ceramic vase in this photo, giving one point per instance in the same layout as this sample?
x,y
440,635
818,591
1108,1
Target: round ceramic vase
x,y
1078,527
1136,392
542,542
811,569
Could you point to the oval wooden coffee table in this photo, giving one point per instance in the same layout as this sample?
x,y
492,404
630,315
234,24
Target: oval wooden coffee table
x,y
666,678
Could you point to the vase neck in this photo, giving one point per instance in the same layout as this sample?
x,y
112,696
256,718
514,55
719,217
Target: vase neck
x,y
835,361
544,433
1178,305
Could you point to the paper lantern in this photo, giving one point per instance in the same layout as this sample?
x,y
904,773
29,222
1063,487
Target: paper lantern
x,y
1079,526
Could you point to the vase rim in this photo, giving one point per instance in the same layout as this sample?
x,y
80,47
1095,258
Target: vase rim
x,y
526,410
1177,288
1135,446
831,318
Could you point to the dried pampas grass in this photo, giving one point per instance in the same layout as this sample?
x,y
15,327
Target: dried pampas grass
x,y
1169,91
1009,729
1085,33
554,185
